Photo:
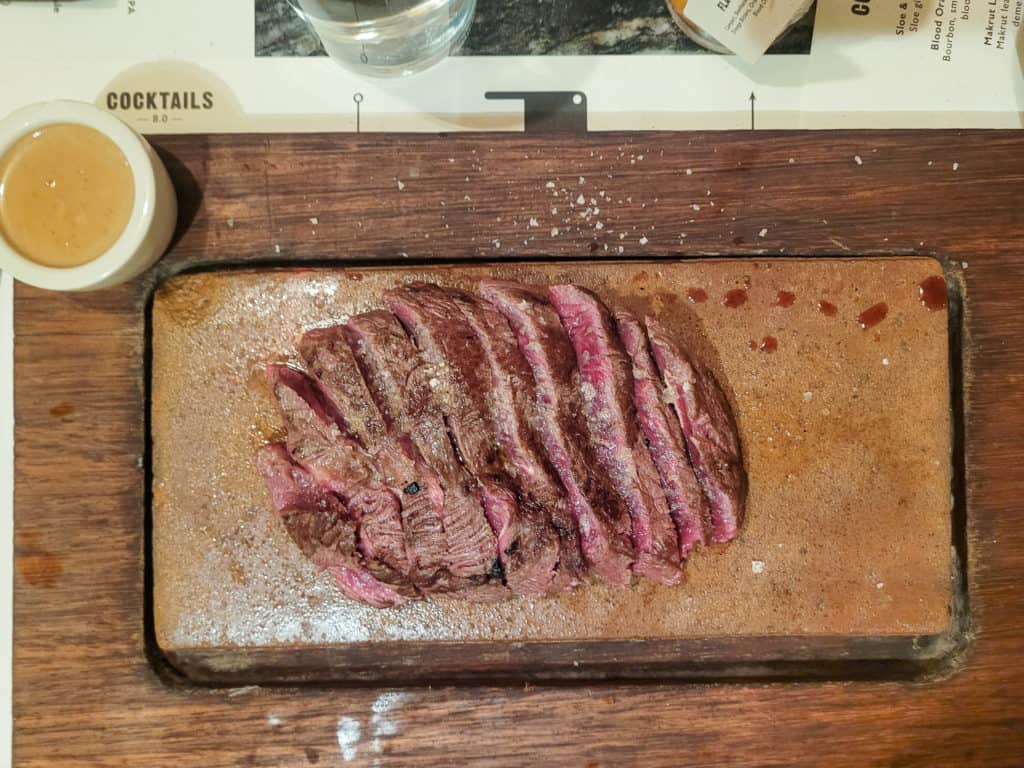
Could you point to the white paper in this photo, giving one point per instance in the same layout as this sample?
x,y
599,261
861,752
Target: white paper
x,y
883,69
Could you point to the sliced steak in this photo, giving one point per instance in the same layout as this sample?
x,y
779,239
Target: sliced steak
x,y
439,321
342,466
607,388
545,521
686,502
314,439
448,345
319,524
600,515
400,384
709,428
329,358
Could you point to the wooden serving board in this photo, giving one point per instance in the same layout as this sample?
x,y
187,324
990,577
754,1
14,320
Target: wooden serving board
x,y
91,686
846,437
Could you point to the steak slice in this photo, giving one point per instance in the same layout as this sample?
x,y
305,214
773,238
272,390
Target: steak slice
x,y
709,428
686,502
599,513
314,440
318,522
545,520
439,320
340,465
400,384
329,358
448,345
607,388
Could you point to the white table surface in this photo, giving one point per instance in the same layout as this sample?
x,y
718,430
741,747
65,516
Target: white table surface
x,y
6,509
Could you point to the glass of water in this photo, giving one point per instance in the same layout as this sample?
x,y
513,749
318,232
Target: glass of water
x,y
388,37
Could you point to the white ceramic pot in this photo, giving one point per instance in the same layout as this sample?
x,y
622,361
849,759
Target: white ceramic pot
x,y
154,212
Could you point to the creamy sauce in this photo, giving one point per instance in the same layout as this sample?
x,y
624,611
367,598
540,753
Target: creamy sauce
x,y
66,194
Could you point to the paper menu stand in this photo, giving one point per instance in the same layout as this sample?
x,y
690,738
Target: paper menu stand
x,y
746,27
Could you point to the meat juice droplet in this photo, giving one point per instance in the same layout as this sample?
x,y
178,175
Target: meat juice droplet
x,y
932,292
873,315
735,298
769,344
827,308
753,345
697,295
785,299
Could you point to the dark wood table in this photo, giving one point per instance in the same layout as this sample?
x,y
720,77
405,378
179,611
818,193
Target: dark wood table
x,y
89,690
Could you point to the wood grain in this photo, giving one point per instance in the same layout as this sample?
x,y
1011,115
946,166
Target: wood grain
x,y
85,691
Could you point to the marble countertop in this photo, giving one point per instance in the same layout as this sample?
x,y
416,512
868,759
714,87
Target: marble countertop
x,y
535,28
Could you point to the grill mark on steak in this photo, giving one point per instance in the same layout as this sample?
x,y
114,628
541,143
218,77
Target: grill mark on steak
x,y
319,524
708,425
601,517
340,465
329,358
548,532
472,397
400,384
686,502
607,389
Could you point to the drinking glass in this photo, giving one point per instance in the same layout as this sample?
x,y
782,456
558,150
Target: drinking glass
x,y
388,37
